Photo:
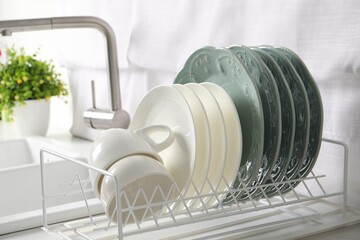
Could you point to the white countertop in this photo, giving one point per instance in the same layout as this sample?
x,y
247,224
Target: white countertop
x,y
32,234
330,227
59,134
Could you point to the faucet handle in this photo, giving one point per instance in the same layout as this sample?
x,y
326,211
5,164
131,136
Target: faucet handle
x,y
93,94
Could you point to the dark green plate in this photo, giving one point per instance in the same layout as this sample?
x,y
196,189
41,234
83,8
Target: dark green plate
x,y
270,100
302,114
287,120
222,67
316,110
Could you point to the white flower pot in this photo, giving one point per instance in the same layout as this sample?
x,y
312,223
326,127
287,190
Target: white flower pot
x,y
33,118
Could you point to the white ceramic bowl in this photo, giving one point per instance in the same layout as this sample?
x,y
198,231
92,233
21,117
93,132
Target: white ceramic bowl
x,y
139,178
115,144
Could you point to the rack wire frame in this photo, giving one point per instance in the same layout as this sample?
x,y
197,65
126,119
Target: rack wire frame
x,y
189,212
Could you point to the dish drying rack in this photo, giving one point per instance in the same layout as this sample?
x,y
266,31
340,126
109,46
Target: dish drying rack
x,y
294,206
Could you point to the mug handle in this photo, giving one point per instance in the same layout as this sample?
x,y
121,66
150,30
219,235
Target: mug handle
x,y
146,132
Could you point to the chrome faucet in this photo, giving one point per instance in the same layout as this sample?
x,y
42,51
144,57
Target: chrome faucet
x,y
94,117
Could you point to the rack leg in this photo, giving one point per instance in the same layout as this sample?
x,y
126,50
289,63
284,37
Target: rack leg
x,y
43,189
345,180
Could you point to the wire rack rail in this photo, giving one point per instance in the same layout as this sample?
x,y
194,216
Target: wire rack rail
x,y
183,210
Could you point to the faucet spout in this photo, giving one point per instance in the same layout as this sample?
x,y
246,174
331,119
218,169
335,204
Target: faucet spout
x,y
95,118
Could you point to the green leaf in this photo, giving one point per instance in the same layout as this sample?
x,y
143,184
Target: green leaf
x,y
25,77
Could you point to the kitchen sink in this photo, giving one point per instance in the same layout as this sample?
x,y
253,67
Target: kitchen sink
x,y
15,153
21,185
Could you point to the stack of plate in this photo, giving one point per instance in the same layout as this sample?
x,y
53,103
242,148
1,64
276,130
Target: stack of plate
x,y
278,105
205,155
242,117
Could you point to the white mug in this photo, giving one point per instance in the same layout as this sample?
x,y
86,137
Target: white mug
x,y
144,181
116,143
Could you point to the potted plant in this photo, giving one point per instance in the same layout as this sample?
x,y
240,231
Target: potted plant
x,y
26,86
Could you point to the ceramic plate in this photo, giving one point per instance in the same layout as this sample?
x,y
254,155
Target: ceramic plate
x,y
316,111
302,114
166,106
217,154
287,120
233,140
222,67
270,100
203,143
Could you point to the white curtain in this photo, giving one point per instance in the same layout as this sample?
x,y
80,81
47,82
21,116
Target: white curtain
x,y
155,38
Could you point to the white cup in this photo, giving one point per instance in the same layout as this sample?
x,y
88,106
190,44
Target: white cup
x,y
139,178
115,144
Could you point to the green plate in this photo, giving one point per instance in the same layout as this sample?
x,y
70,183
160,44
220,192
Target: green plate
x,y
316,110
222,67
270,100
302,114
287,120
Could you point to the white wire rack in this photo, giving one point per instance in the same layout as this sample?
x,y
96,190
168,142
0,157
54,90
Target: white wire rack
x,y
186,210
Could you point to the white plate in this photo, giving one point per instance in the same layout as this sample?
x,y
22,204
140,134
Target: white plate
x,y
233,133
223,67
218,140
203,143
165,105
